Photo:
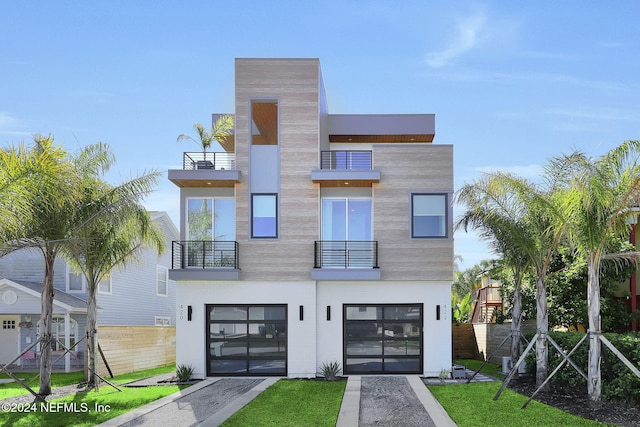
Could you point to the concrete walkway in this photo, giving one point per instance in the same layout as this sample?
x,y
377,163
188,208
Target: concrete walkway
x,y
368,401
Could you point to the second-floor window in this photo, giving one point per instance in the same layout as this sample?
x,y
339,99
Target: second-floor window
x,y
264,215
75,282
346,219
104,287
428,215
211,218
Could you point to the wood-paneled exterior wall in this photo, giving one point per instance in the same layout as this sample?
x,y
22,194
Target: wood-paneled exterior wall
x,y
133,348
296,86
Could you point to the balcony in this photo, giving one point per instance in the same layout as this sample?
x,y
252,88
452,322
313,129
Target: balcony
x,y
488,304
204,260
345,260
345,169
202,169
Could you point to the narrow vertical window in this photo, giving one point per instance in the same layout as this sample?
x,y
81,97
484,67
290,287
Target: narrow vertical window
x,y
264,215
428,215
162,283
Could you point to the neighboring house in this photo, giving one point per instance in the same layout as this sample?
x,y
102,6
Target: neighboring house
x,y
488,305
314,237
139,294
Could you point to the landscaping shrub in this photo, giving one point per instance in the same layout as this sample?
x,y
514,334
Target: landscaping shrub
x,y
618,381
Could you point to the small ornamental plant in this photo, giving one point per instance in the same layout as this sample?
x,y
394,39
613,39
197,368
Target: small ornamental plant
x,y
330,370
184,373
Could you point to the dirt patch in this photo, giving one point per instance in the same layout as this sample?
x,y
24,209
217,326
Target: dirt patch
x,y
576,401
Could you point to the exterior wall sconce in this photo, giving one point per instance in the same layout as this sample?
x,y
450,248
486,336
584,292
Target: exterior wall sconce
x,y
301,312
189,313
328,312
438,312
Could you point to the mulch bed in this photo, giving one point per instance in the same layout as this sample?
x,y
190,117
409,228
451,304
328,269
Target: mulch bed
x,y
576,401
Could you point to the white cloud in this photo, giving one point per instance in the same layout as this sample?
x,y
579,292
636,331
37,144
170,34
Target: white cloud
x,y
7,120
468,32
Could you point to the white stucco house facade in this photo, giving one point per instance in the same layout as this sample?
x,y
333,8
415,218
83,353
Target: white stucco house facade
x,y
313,237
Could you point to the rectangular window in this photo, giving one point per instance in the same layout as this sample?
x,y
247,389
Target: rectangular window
x,y
75,282
104,287
428,215
346,219
264,215
211,219
264,122
162,282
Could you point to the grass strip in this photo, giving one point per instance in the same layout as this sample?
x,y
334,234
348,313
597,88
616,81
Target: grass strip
x,y
472,405
292,402
85,409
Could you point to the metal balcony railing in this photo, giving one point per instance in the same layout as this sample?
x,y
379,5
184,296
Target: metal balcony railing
x,y
212,161
346,160
204,254
345,254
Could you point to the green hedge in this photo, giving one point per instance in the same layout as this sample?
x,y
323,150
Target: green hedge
x,y
618,382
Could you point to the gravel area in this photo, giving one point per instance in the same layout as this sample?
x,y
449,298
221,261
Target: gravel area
x,y
390,401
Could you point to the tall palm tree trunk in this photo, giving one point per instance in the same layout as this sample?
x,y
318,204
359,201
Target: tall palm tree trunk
x,y
46,320
516,317
595,328
542,321
92,342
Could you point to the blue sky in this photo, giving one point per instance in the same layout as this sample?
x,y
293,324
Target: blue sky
x,y
511,83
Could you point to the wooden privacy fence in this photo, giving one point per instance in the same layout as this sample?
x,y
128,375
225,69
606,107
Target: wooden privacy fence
x,y
463,340
489,336
133,348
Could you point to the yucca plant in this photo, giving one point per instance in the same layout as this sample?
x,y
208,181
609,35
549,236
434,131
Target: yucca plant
x,y
330,370
184,372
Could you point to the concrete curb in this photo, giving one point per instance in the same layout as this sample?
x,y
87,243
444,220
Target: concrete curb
x,y
349,415
233,407
129,416
436,412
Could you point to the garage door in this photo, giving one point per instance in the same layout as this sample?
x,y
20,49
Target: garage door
x,y
382,339
246,340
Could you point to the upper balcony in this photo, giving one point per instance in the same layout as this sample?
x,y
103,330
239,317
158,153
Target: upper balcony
x,y
346,169
345,260
202,169
204,260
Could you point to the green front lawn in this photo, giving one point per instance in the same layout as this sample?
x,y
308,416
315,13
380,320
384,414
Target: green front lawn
x,y
296,403
471,405
85,408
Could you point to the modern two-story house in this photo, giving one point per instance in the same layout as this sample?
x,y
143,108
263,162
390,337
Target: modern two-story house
x,y
314,237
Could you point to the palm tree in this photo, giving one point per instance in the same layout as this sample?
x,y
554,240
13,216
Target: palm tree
x,y
221,128
598,205
489,212
116,227
53,194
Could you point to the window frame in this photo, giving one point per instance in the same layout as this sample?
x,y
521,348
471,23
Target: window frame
x,y
277,212
109,282
83,280
412,215
347,200
166,275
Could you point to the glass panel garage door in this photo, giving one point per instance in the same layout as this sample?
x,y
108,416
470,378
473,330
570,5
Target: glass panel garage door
x,y
246,340
382,339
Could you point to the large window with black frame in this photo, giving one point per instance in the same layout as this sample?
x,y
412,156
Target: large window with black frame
x,y
382,338
246,340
